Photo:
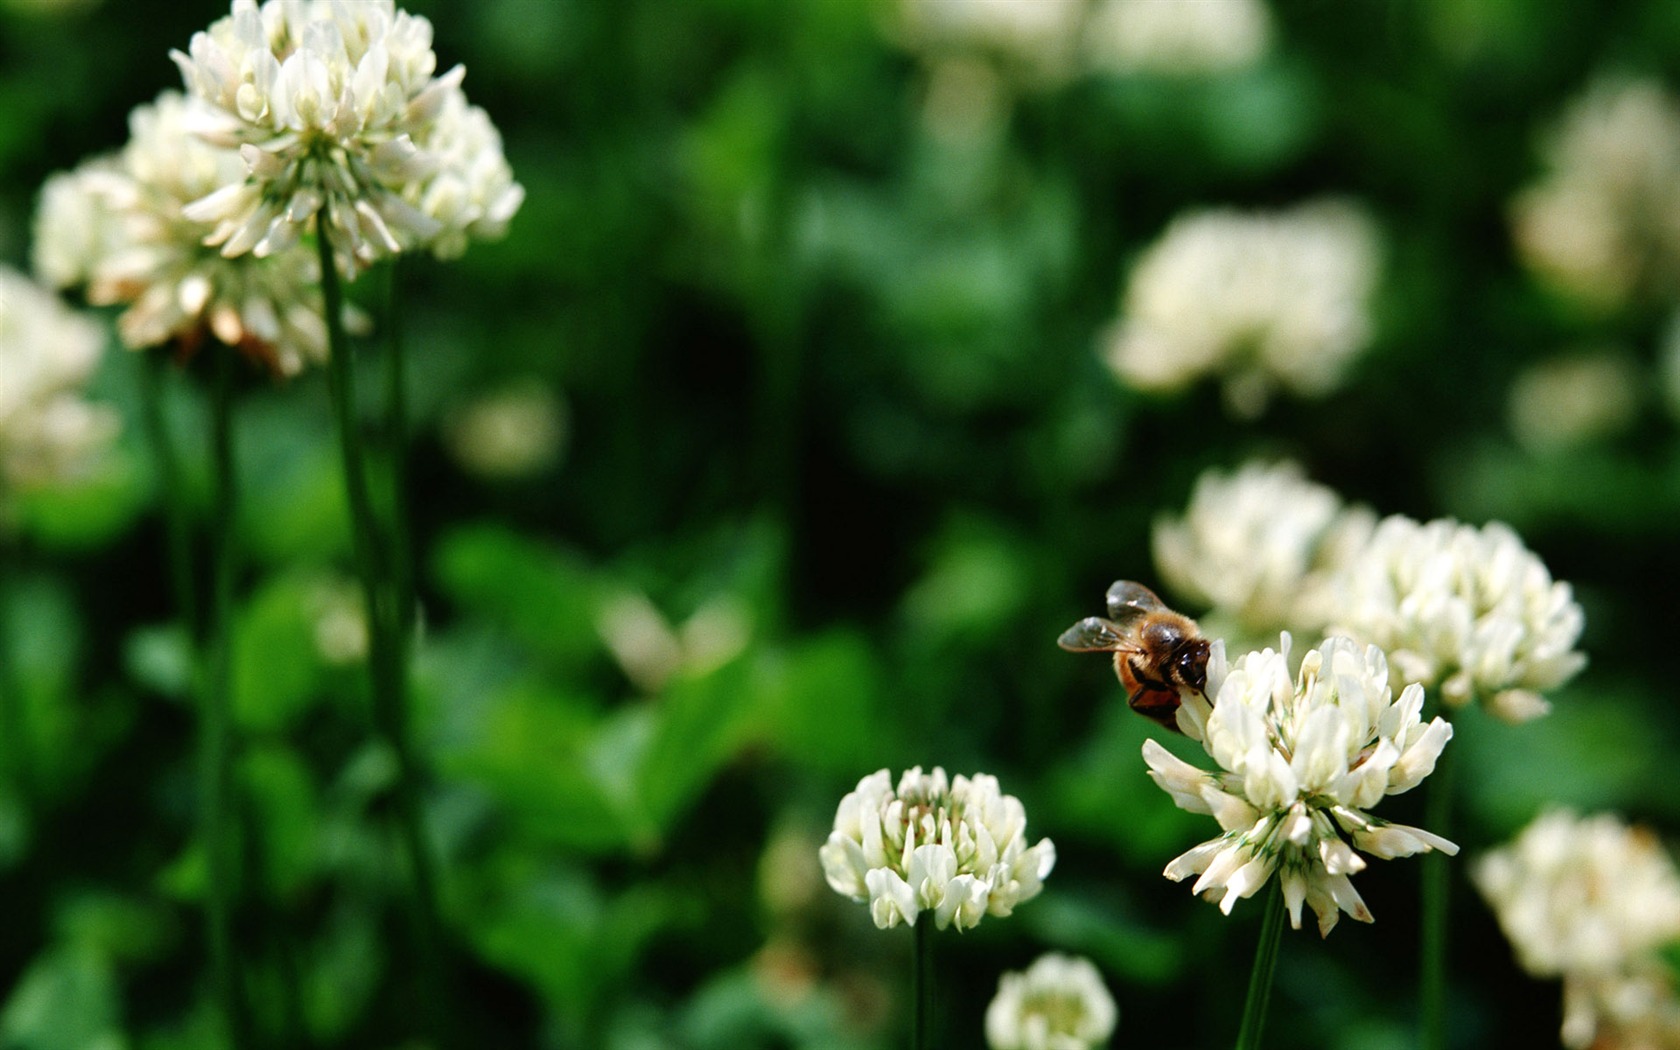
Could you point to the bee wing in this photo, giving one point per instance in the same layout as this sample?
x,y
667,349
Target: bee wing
x,y
1092,635
1128,600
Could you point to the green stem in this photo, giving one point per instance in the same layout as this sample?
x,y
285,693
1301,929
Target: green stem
x,y
387,666
921,985
396,437
1265,966
170,493
14,711
1437,892
215,741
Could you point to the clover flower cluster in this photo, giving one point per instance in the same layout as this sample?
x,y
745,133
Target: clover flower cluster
x,y
1254,545
1592,901
1177,39
1058,1003
117,227
1470,612
1302,760
337,113
48,431
954,848
1052,40
1603,224
1261,300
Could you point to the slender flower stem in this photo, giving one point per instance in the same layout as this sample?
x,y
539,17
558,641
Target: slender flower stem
x,y
1265,965
215,740
386,661
170,493
1437,893
396,440
14,714
921,986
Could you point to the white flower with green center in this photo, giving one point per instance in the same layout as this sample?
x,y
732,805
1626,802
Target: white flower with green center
x,y
954,848
328,103
1261,300
48,431
143,252
1303,760
1468,611
1253,543
1057,1003
1593,901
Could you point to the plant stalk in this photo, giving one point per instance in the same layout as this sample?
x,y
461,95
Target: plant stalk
x,y
1265,966
216,729
1437,900
921,986
386,660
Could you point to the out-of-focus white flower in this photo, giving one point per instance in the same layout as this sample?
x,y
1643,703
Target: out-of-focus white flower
x,y
48,432
1603,225
1573,400
1253,542
1303,759
118,226
1467,610
74,229
511,433
341,635
1057,1003
336,106
650,651
1592,901
471,195
1037,38
956,849
1261,300
1177,37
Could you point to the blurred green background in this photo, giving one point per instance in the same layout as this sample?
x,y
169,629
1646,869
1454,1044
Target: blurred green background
x,y
828,460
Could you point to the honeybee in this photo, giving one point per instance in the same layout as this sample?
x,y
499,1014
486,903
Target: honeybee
x,y
1156,651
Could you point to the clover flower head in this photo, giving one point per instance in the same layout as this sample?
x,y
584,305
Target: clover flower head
x,y
1302,758
471,194
1593,901
137,247
48,431
1177,39
1253,544
954,848
1035,38
1603,224
1057,1003
1468,610
329,104
1263,300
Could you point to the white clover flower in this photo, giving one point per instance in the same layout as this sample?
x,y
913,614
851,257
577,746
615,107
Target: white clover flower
x,y
74,228
1253,543
48,431
471,194
134,246
1177,38
1592,901
1567,401
335,105
1057,1003
1469,611
954,848
1603,225
1037,38
510,433
1263,300
1303,759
